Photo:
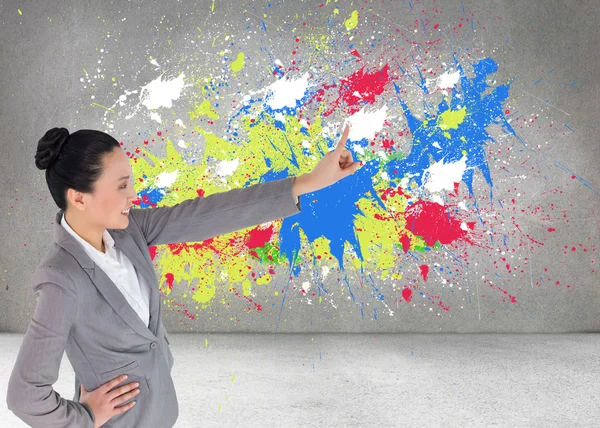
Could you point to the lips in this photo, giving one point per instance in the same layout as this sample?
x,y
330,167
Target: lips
x,y
125,212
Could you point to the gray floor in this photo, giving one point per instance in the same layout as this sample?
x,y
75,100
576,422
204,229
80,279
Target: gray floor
x,y
411,380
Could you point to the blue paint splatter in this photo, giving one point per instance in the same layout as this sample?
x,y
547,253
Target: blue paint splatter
x,y
481,111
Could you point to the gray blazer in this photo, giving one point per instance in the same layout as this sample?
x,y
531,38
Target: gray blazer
x,y
80,310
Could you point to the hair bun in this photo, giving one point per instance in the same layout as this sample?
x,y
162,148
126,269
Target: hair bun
x,y
49,147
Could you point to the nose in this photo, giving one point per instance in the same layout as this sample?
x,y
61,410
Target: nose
x,y
133,195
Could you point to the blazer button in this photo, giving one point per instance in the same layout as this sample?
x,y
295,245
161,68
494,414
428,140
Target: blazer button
x,y
153,345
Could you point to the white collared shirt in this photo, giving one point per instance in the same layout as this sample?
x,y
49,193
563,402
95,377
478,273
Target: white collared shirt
x,y
120,270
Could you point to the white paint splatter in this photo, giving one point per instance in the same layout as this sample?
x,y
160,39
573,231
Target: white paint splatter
x,y
366,125
437,199
357,148
225,168
161,93
180,123
155,116
123,97
440,175
166,179
284,92
306,286
448,80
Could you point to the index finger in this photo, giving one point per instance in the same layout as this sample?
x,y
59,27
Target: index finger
x,y
342,142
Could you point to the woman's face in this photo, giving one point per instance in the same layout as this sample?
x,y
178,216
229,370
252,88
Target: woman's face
x,y
113,193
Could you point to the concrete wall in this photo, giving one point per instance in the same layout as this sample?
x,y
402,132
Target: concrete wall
x,y
513,250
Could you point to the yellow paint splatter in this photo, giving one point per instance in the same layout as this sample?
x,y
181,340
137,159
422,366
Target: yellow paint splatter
x,y
204,294
238,64
352,22
203,109
450,119
265,279
246,287
20,13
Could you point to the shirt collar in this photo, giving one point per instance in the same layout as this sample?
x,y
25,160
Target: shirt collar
x,y
108,240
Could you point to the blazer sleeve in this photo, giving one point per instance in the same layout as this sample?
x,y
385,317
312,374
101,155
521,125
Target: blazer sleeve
x,y
30,395
201,218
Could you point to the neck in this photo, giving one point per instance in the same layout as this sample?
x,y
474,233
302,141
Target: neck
x,y
90,233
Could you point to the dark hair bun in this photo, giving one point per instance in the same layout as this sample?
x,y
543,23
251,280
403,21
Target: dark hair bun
x,y
49,147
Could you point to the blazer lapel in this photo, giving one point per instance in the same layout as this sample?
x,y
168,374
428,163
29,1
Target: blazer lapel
x,y
125,243
106,286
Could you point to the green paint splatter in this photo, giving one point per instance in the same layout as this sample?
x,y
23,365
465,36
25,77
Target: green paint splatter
x,y
352,22
238,64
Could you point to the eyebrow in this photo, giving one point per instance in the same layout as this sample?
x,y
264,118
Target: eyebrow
x,y
125,177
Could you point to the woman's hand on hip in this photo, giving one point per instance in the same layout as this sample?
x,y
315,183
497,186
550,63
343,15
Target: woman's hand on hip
x,y
103,401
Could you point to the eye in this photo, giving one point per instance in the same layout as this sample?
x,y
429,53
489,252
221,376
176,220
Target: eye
x,y
123,186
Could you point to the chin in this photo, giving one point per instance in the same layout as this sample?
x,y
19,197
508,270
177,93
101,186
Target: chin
x,y
121,224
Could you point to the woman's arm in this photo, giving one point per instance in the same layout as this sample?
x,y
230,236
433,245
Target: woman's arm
x,y
30,395
201,218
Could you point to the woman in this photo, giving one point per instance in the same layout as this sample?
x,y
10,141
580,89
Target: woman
x,y
96,289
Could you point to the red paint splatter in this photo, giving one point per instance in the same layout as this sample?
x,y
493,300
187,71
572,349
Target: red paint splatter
x,y
152,250
145,200
431,221
257,238
405,241
200,192
407,294
387,144
361,87
455,193
357,89
424,271
355,53
551,229
169,277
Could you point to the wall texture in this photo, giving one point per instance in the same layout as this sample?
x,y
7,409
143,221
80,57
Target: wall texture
x,y
476,209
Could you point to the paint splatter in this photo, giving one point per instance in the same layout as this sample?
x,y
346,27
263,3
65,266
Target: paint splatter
x,y
352,22
445,170
238,64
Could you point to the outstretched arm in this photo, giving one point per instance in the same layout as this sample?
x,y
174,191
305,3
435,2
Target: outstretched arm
x,y
201,218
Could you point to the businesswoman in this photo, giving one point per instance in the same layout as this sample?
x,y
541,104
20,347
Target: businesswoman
x,y
96,289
